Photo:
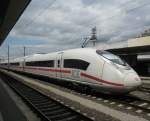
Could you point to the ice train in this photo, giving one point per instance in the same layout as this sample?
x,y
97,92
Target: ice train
x,y
90,68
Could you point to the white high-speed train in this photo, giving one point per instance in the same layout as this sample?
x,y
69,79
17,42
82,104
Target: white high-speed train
x,y
96,69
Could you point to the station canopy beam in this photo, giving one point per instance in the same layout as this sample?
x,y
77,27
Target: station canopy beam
x,y
134,46
10,12
130,50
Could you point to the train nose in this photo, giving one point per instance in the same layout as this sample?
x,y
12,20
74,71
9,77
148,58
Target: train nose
x,y
132,81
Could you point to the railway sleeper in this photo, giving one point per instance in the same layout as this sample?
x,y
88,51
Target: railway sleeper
x,y
56,111
39,101
44,107
71,118
61,116
51,108
43,104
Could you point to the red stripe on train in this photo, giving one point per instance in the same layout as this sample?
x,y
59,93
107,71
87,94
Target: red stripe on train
x,y
99,80
81,74
52,70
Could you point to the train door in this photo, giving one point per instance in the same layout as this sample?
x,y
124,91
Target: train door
x,y
59,65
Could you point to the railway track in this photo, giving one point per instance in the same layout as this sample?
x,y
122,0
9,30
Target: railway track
x,y
145,89
134,102
137,105
46,108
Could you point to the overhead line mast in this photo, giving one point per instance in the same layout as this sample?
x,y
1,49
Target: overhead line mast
x,y
8,56
92,38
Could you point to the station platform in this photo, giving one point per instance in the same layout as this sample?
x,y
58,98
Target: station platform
x,y
8,108
12,107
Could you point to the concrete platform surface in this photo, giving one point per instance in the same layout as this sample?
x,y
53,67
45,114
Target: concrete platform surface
x,y
8,109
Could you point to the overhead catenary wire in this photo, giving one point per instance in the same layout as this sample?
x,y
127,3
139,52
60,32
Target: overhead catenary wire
x,y
39,14
104,20
127,11
109,18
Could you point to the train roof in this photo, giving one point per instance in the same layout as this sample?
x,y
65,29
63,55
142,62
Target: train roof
x,y
42,57
53,54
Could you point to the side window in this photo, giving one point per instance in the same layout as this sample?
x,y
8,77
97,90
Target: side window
x,y
14,64
3,64
28,64
76,64
49,63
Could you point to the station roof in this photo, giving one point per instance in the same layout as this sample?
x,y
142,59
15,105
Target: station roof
x,y
130,50
10,11
134,46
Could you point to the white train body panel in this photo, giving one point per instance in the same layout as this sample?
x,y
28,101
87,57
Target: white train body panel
x,y
99,72
93,68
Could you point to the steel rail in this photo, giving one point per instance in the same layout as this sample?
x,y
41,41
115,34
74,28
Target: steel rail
x,y
46,108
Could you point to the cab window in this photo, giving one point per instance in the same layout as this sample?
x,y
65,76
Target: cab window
x,y
111,57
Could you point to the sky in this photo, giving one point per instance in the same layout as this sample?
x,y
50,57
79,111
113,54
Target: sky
x,y
54,25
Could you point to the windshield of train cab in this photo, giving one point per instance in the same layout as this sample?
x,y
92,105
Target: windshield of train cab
x,y
111,57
